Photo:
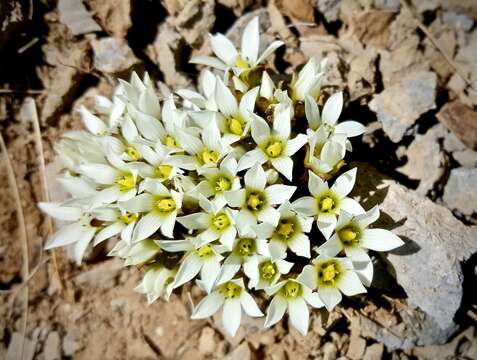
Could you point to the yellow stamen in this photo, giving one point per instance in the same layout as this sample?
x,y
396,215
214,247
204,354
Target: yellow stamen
x,y
220,222
326,204
254,202
170,141
267,270
208,156
329,273
230,290
245,247
128,218
133,153
235,126
285,229
163,171
205,251
292,289
241,63
274,149
166,205
126,182
222,184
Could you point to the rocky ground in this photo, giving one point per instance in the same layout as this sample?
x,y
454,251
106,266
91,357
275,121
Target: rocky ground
x,y
409,72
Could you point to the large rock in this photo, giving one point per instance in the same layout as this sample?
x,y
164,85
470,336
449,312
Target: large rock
x,y
428,266
461,120
460,192
400,105
73,14
113,55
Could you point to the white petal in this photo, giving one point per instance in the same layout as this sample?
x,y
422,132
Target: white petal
x,y
301,245
235,198
102,174
175,245
295,144
315,184
344,183
149,127
278,194
326,224
331,247
332,108
255,178
312,113
330,296
260,129
275,311
247,103
60,212
350,128
284,166
269,50
65,236
368,218
194,221
251,41
167,226
278,249
228,237
249,305
269,215
225,99
308,277
380,240
363,266
281,122
231,316
208,306
250,158
188,269
208,61
80,246
229,269
140,203
350,284
93,123
351,206
223,48
306,206
267,86
299,315
312,298
108,231
147,226
209,273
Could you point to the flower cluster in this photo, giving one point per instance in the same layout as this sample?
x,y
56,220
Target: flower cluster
x,y
208,190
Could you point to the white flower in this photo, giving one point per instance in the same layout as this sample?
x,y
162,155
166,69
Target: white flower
x,y
204,152
332,276
325,202
274,145
308,81
215,222
205,260
256,201
115,221
233,297
353,236
245,251
161,206
80,232
218,181
157,281
159,163
140,252
325,153
78,147
292,295
234,118
207,87
265,272
329,118
289,233
228,56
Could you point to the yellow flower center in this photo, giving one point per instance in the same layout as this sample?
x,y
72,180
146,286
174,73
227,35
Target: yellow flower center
x,y
208,157
126,182
246,247
222,184
133,153
255,201
292,289
274,149
327,204
349,236
328,273
220,222
285,229
163,171
267,270
170,141
235,126
205,251
230,290
166,205
128,218
241,62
